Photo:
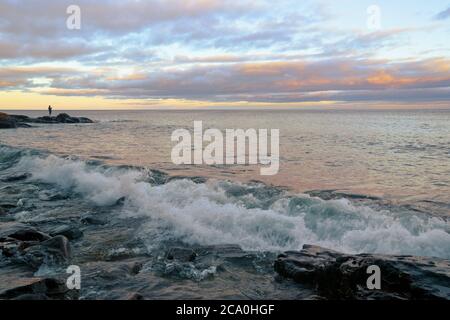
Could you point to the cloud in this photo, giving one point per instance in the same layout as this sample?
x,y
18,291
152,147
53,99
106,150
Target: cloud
x,y
49,50
445,14
332,79
215,50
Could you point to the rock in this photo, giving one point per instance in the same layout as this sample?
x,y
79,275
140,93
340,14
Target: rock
x,y
91,220
70,232
22,121
7,206
65,118
32,297
224,250
17,177
112,270
134,296
56,250
196,180
181,254
11,122
6,122
20,118
21,232
33,288
340,276
52,196
59,245
9,247
29,234
45,119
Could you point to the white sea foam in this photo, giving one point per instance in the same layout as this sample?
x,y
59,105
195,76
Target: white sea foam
x,y
206,214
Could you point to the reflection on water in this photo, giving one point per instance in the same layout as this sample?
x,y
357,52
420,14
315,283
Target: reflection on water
x,y
403,156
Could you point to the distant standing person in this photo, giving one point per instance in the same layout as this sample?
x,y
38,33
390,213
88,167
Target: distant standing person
x,y
50,109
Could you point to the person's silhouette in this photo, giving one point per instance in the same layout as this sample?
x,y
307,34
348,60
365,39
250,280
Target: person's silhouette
x,y
50,109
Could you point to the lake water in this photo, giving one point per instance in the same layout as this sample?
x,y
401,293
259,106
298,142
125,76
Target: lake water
x,y
401,156
352,181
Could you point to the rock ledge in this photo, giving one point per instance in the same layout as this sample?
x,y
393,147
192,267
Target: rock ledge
x,y
342,276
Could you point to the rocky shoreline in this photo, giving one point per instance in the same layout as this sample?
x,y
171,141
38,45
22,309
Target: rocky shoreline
x,y
20,121
317,273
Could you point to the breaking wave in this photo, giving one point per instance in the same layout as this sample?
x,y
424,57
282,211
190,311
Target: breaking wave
x,y
254,216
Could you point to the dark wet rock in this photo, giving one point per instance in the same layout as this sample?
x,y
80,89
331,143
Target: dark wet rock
x,y
22,121
6,122
196,180
88,219
156,177
10,122
120,201
20,118
32,297
29,234
21,232
224,250
68,231
181,254
7,206
5,211
112,270
334,194
52,196
17,177
134,296
10,247
341,276
60,245
57,250
33,288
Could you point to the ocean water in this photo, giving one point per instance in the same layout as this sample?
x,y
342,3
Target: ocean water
x,y
353,181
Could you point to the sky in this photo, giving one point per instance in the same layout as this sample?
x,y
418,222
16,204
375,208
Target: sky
x,y
137,54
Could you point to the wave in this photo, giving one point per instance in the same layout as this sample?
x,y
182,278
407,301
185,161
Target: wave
x,y
254,216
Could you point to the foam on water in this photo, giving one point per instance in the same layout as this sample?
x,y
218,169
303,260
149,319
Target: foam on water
x,y
208,213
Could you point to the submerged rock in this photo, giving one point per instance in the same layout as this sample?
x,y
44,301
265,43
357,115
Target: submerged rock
x,y
341,276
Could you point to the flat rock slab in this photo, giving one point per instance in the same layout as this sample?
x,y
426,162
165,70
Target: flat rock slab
x,y
41,288
342,276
